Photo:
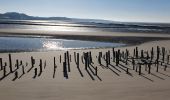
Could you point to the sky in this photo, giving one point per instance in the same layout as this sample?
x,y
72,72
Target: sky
x,y
115,10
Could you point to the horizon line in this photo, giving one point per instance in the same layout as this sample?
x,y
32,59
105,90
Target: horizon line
x,y
120,21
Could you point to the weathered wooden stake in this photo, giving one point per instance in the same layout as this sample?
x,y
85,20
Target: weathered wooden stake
x,y
1,65
55,67
10,63
40,65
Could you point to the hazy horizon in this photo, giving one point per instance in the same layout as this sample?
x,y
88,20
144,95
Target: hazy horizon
x,y
114,10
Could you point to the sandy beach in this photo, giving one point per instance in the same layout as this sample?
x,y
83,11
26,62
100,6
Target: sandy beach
x,y
110,84
85,50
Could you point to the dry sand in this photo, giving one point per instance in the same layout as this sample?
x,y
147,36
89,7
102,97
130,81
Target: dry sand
x,y
153,86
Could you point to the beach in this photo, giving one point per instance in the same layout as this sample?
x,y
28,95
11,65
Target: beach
x,y
85,50
107,85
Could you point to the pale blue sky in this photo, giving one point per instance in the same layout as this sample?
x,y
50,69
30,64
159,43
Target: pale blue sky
x,y
116,10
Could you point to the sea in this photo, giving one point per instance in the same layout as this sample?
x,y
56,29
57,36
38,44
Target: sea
x,y
40,43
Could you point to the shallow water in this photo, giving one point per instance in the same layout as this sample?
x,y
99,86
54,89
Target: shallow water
x,y
41,44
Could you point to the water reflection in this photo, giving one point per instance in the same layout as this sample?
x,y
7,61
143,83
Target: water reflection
x,y
52,45
34,44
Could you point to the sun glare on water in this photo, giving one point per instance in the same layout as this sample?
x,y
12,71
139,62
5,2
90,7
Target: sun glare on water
x,y
51,45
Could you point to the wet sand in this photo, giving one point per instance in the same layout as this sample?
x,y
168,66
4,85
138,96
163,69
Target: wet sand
x,y
116,37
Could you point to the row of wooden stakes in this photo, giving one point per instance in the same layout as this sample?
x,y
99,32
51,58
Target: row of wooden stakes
x,y
114,60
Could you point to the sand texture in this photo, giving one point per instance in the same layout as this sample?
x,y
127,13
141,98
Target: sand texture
x,y
110,83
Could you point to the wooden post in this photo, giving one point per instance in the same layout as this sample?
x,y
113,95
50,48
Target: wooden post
x,y
90,57
40,65
65,70
23,71
60,58
127,55
152,54
1,65
55,67
109,57
75,56
99,58
86,60
77,60
32,61
127,71
136,52
139,69
114,54
142,54
117,58
158,51
10,63
4,69
133,63
107,60
163,54
65,58
17,64
149,68
168,59
68,61
157,67
32,64
165,67
35,73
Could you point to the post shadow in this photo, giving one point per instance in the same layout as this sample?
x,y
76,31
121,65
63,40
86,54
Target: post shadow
x,y
142,75
5,73
164,74
115,68
157,76
15,76
114,71
77,63
90,74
